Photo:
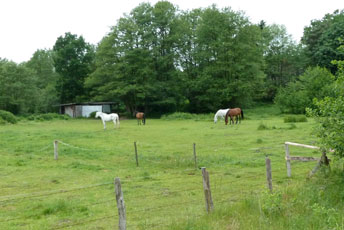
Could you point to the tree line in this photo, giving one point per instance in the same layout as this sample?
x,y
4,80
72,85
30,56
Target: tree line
x,y
160,59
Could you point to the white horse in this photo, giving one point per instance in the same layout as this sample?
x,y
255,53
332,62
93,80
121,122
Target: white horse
x,y
220,113
108,117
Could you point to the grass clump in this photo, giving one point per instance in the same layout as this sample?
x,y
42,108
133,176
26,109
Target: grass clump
x,y
7,117
295,118
262,126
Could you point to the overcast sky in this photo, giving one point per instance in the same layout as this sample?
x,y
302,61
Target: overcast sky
x,y
28,25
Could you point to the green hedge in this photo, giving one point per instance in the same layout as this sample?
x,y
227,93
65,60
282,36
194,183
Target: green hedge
x,y
7,117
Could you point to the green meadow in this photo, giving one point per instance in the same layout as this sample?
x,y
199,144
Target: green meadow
x,y
165,190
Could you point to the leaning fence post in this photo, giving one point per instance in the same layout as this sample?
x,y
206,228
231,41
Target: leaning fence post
x,y
287,157
194,153
268,173
137,159
56,154
207,192
122,224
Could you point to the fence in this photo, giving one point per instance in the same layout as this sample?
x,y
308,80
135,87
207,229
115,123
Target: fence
x,y
131,208
289,158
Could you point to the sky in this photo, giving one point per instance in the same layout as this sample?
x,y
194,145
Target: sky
x,y
29,25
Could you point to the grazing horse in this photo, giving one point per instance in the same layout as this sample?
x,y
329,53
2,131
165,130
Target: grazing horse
x,y
221,113
140,118
237,113
108,117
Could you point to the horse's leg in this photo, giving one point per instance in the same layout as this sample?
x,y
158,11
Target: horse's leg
x,y
104,124
114,123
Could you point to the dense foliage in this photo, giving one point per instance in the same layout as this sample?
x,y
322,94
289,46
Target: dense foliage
x,y
73,59
329,113
297,95
322,38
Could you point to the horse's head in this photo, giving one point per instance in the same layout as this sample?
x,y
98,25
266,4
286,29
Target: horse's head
x,y
97,114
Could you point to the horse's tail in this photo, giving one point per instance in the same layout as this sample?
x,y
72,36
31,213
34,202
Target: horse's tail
x,y
242,114
144,119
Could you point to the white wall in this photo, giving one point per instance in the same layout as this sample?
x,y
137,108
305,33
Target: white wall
x,y
87,109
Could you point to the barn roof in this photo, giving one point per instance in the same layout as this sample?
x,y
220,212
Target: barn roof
x,y
89,103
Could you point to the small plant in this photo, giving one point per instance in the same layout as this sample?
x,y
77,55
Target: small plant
x,y
92,115
259,141
8,117
295,118
262,127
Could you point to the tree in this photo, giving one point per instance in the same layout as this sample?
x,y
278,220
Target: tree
x,y
42,65
298,95
284,59
329,113
73,61
321,40
222,59
136,61
18,91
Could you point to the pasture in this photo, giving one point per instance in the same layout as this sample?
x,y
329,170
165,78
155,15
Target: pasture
x,y
164,192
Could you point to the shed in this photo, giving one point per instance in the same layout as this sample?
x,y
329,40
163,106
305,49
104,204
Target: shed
x,y
84,109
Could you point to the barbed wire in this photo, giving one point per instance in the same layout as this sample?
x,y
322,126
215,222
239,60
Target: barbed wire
x,y
83,222
48,193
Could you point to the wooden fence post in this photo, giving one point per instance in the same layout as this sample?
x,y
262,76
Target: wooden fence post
x,y
268,173
137,159
207,192
194,153
56,154
287,157
122,224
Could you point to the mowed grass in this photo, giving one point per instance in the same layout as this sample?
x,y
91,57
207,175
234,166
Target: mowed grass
x,y
164,191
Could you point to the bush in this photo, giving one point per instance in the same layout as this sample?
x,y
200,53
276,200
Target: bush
x,y
92,115
296,96
188,116
262,127
8,117
292,119
48,117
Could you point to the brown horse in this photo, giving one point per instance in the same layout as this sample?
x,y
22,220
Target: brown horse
x,y
141,118
237,113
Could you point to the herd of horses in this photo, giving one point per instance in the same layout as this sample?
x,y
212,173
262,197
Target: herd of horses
x,y
236,113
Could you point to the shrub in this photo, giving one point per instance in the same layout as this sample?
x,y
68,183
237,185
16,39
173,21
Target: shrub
x,y
262,127
8,117
297,96
93,114
187,116
48,117
292,119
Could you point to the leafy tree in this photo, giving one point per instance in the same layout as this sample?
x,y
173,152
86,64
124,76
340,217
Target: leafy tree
x,y
284,59
329,113
73,61
140,49
18,91
45,77
297,95
321,39
221,59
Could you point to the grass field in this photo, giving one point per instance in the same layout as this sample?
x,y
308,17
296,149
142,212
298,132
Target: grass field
x,y
164,192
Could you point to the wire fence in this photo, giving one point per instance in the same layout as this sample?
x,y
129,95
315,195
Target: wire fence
x,y
172,197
